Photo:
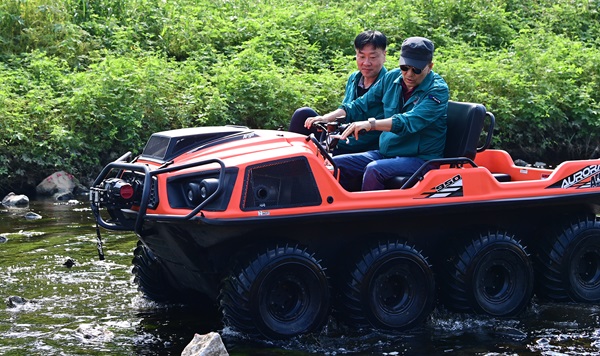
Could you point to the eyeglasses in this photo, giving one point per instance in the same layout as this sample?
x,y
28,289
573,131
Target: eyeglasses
x,y
405,68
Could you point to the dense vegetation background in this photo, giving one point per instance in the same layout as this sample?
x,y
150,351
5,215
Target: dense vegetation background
x,y
83,81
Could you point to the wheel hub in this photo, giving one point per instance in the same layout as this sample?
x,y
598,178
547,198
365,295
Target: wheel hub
x,y
589,268
496,282
392,292
286,299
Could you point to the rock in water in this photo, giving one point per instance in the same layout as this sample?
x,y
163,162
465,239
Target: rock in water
x,y
32,216
69,263
205,345
94,333
13,199
14,301
59,182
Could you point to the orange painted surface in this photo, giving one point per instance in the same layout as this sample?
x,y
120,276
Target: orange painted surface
x,y
444,186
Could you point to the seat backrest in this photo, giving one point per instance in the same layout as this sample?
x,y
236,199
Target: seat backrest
x,y
465,123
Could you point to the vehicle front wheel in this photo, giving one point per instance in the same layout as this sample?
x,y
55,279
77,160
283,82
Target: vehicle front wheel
x,y
391,287
282,293
491,275
570,266
150,276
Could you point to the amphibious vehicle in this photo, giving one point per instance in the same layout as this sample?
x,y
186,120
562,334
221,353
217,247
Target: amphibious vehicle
x,y
256,222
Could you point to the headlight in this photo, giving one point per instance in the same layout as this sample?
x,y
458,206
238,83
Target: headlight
x,y
193,193
197,193
208,187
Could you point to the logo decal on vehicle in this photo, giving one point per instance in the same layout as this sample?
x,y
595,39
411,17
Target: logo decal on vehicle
x,y
587,177
453,187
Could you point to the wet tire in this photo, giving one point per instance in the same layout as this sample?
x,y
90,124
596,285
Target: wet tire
x,y
282,293
491,275
392,287
570,265
150,277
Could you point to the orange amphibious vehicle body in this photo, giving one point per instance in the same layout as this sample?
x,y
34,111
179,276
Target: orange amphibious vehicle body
x,y
256,221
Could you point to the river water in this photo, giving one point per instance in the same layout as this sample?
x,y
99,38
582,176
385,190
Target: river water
x,y
93,307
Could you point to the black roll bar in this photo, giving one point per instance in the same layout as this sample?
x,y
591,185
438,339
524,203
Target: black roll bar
x,y
147,187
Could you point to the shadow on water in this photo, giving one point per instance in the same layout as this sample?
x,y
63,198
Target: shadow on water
x,y
93,307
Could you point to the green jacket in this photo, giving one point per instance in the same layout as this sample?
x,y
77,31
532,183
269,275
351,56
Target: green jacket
x,y
369,141
418,126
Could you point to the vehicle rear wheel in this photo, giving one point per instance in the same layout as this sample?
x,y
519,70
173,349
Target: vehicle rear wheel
x,y
150,277
391,287
491,275
570,266
283,292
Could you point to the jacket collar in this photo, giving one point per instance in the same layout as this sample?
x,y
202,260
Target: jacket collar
x,y
424,86
359,75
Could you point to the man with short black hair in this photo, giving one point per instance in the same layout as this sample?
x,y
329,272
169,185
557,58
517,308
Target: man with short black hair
x,y
370,47
415,100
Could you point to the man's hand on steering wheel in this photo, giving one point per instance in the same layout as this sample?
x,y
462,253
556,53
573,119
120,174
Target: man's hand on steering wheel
x,y
355,129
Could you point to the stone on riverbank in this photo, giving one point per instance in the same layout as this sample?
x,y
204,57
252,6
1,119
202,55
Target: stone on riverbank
x,y
205,345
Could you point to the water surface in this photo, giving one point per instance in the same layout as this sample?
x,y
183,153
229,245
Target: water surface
x,y
94,308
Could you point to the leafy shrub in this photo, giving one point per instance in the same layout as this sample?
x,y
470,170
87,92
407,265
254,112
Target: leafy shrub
x,y
81,81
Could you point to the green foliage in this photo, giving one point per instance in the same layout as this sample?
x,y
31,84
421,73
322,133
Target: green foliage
x,y
543,89
82,82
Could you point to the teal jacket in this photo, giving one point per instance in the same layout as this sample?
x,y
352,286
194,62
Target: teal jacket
x,y
369,141
418,125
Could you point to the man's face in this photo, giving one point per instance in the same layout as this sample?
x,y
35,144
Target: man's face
x,y
369,60
411,79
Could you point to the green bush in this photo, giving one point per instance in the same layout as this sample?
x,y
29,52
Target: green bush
x,y
82,82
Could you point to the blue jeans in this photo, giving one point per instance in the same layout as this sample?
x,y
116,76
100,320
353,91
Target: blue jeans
x,y
369,170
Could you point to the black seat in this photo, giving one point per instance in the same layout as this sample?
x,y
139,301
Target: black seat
x,y
465,123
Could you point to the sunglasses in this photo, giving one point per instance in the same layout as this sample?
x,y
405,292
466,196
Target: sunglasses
x,y
405,68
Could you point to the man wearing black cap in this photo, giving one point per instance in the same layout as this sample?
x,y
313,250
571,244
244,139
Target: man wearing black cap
x,y
415,100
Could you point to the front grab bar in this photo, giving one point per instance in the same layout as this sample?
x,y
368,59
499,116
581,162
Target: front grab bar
x,y
147,186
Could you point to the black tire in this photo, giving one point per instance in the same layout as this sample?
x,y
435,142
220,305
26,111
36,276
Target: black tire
x,y
150,277
492,275
282,293
392,287
570,266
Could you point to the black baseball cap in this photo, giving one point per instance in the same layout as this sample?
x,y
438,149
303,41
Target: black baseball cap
x,y
416,52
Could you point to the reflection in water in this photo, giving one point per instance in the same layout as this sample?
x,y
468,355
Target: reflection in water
x,y
93,307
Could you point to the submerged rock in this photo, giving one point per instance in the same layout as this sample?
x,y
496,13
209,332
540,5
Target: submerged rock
x,y
15,200
63,196
94,332
29,234
205,345
69,263
32,216
14,301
